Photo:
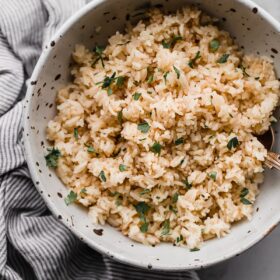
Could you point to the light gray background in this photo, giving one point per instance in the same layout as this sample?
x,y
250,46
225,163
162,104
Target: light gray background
x,y
262,262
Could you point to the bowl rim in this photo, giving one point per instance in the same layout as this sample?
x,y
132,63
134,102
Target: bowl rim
x,y
248,4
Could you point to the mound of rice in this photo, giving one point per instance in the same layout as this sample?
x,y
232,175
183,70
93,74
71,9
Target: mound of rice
x,y
155,135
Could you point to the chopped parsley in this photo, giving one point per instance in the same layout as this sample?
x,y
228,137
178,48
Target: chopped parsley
x,y
83,191
193,61
144,127
187,183
179,141
177,72
99,53
233,143
120,81
223,58
179,238
165,227
150,75
172,42
136,96
194,249
122,167
52,157
165,76
71,197
145,191
175,197
120,117
174,210
90,149
142,209
156,148
214,45
109,91
213,175
76,133
102,176
244,193
243,68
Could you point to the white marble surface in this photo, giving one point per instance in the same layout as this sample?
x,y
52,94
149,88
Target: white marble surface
x,y
262,262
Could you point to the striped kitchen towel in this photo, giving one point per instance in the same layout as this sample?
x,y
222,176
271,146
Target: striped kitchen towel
x,y
33,243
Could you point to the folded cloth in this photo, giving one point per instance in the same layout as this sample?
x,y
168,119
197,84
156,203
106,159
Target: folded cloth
x,y
33,243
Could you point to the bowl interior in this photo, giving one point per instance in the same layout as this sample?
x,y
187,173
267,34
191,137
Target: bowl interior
x,y
253,29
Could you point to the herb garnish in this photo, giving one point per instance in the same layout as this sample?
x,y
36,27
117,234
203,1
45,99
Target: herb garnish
x,y
99,52
165,76
122,167
136,96
120,81
223,58
145,191
194,249
120,117
108,82
243,68
244,193
71,197
90,149
175,197
76,133
144,127
150,75
193,61
188,185
102,176
179,238
83,191
52,157
172,42
177,71
142,209
174,210
179,141
165,227
233,143
214,45
213,175
156,148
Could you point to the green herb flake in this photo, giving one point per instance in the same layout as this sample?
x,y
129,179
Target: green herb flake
x,y
52,157
175,197
102,176
195,249
193,61
99,53
172,42
142,208
76,133
83,191
177,71
243,68
214,45
223,58
109,91
71,197
144,127
165,76
144,227
179,141
244,192
174,210
107,81
245,201
90,149
136,96
156,148
233,143
179,239
120,81
122,167
165,227
145,191
187,184
150,79
213,175
120,117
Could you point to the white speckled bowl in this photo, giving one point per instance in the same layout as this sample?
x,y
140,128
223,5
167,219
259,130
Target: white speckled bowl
x,y
255,30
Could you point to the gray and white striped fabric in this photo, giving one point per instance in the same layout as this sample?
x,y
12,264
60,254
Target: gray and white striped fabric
x,y
33,244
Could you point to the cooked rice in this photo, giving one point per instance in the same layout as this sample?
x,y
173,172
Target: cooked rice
x,y
186,179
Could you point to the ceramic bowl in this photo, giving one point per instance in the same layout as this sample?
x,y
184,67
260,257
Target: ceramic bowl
x,y
255,31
